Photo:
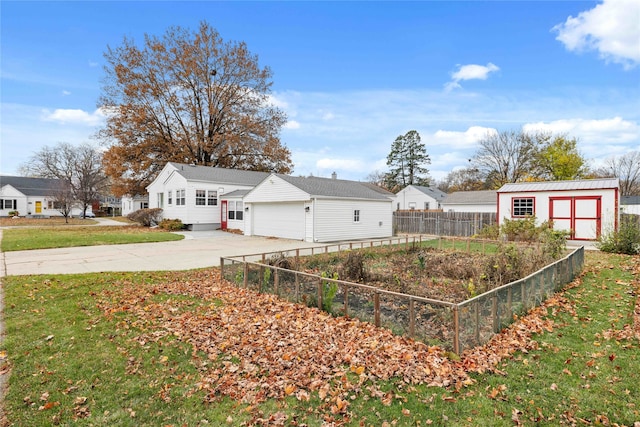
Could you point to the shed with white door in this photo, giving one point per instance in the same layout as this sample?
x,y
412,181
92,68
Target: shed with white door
x,y
586,208
317,209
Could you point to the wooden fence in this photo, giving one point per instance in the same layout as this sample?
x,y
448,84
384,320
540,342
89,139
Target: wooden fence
x,y
459,224
453,326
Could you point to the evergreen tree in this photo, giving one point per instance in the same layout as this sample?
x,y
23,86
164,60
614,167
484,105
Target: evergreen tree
x,y
407,161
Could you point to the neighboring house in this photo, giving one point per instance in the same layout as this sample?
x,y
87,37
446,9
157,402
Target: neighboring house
x,y
416,197
131,204
192,193
630,205
471,201
28,196
317,209
586,208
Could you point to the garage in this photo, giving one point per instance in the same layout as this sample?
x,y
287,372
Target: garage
x,y
285,220
585,208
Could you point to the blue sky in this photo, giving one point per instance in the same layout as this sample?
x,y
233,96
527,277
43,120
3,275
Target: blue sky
x,y
351,76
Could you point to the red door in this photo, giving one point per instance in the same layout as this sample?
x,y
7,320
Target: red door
x,y
223,214
579,215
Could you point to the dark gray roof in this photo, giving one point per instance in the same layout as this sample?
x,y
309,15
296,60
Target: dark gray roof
x,y
339,188
630,200
484,197
235,193
578,184
222,175
431,191
31,186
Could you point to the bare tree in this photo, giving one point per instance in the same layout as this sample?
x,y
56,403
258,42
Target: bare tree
x,y
63,199
79,167
190,98
508,156
467,179
627,169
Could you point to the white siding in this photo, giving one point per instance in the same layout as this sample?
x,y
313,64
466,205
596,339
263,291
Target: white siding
x,y
334,220
412,198
451,207
631,209
275,189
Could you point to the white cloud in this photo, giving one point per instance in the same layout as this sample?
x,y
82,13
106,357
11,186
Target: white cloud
x,y
73,116
66,93
457,139
292,124
612,28
470,72
613,130
356,165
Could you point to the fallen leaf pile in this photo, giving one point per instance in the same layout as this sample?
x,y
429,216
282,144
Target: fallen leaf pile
x,y
260,346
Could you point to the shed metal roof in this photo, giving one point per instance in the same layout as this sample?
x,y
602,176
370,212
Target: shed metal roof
x,y
482,197
31,186
578,184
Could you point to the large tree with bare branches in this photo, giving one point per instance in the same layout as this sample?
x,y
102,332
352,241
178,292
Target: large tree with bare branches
x,y
188,97
625,167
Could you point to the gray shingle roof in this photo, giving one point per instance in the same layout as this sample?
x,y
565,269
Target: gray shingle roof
x,y
431,191
484,197
630,200
339,188
222,175
578,184
31,186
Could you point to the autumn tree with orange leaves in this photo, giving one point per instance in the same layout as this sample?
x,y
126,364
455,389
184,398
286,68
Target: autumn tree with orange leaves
x,y
188,97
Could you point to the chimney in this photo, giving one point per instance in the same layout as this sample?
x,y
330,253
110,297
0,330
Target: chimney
x,y
334,175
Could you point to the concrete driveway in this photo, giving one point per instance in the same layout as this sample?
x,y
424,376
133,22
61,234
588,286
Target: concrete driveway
x,y
199,249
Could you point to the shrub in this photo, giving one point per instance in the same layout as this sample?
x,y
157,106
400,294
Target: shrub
x,y
519,230
171,224
489,232
146,217
13,213
625,240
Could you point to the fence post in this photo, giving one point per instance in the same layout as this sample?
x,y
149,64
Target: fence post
x,y
297,291
456,330
476,309
523,291
509,303
298,256
275,281
469,245
320,294
376,308
246,275
494,312
346,299
222,267
412,318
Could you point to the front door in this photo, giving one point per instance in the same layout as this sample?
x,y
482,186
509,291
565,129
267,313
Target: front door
x,y
223,214
38,208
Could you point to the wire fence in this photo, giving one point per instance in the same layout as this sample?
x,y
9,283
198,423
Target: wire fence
x,y
453,326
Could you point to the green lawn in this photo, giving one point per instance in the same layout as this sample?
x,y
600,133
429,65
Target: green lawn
x,y
94,349
26,238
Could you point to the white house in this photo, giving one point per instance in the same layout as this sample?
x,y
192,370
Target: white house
x,y
317,209
630,205
471,201
31,196
417,197
192,193
586,208
133,203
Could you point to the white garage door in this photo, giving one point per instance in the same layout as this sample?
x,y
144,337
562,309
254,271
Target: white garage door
x,y
284,220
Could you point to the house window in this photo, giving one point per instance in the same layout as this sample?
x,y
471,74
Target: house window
x,y
8,204
412,205
239,211
522,207
212,198
231,214
180,197
169,200
144,205
161,200
54,204
356,215
426,206
201,197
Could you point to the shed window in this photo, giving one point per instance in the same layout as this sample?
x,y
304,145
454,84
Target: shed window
x,y
201,197
356,215
522,207
180,197
212,198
